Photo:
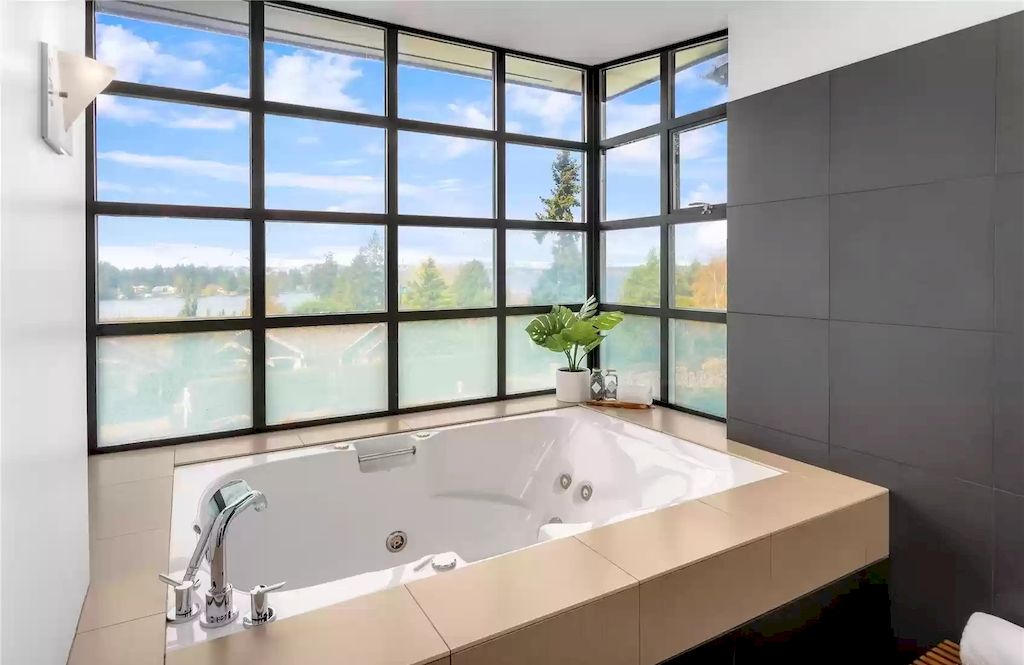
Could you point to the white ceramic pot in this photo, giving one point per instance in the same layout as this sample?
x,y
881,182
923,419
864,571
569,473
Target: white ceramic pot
x,y
572,386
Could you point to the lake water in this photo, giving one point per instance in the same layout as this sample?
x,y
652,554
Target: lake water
x,y
169,307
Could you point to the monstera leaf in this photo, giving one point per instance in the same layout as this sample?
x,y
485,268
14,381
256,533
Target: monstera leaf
x,y
573,334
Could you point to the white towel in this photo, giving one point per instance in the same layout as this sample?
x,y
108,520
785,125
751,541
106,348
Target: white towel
x,y
989,640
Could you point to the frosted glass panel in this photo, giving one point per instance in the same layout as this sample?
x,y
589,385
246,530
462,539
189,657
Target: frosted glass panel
x,y
633,350
529,367
445,361
326,371
545,268
631,274
698,371
162,386
319,268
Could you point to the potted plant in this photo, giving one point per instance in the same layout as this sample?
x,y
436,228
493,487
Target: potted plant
x,y
574,334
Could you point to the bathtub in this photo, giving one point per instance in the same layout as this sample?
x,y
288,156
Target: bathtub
x,y
337,527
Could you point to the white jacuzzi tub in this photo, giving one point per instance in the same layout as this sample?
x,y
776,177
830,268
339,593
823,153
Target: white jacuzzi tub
x,y
469,492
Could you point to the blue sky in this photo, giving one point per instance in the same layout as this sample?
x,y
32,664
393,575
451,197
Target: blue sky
x,y
159,152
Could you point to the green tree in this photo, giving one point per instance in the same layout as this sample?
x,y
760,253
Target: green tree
x,y
428,290
360,286
561,282
472,286
643,283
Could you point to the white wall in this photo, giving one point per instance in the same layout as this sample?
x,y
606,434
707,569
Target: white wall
x,y
774,43
44,559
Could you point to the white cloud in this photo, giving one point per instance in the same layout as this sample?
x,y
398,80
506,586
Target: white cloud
x,y
137,59
551,107
169,254
308,140
229,89
636,158
207,119
623,117
129,114
197,167
136,113
470,115
704,191
344,163
311,79
342,254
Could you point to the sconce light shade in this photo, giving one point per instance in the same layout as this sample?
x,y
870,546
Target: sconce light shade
x,y
70,83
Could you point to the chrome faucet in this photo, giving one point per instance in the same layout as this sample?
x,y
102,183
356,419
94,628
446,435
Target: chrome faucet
x,y
224,505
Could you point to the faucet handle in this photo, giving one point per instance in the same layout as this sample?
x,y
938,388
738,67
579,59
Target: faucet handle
x,y
261,612
185,606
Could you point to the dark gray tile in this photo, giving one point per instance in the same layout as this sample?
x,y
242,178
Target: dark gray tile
x,y
781,443
923,113
1008,447
778,373
914,255
1010,95
778,143
778,258
1008,575
940,545
920,396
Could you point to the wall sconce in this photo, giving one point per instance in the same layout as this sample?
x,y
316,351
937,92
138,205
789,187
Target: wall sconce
x,y
70,83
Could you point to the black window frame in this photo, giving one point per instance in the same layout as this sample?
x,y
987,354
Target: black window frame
x,y
591,147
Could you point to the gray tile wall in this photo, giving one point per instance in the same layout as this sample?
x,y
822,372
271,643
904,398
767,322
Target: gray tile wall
x,y
876,303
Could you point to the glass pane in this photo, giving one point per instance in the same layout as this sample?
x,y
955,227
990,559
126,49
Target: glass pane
x,y
195,46
632,180
701,276
443,268
161,386
325,268
162,152
316,165
320,61
698,366
446,361
159,268
543,99
543,183
633,350
701,77
529,367
632,97
443,82
631,274
699,157
326,371
545,268
445,175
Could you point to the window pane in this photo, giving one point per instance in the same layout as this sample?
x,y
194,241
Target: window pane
x,y
545,268
632,266
543,183
326,371
698,366
700,280
443,82
318,268
161,386
632,180
543,99
445,175
194,46
699,157
316,165
162,152
633,350
529,367
701,77
632,97
445,361
159,268
319,61
442,268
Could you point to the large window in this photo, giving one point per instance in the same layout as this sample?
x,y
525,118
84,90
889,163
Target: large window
x,y
296,216
663,229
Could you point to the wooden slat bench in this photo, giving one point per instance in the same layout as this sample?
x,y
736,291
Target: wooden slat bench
x,y
947,653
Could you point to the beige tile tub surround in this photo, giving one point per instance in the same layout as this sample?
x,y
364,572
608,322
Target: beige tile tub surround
x,y
638,591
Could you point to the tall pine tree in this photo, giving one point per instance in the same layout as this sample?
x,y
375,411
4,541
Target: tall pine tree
x,y
428,290
562,281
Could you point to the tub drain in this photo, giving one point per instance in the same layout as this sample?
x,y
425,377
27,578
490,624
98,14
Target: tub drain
x,y
396,541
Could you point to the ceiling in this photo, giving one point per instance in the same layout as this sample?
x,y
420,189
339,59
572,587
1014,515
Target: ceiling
x,y
588,32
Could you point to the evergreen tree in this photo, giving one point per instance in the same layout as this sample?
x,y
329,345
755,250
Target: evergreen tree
x,y
643,283
565,194
561,282
472,286
428,290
